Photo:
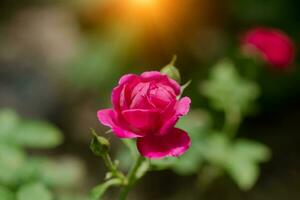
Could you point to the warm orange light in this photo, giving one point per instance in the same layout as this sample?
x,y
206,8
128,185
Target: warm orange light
x,y
143,2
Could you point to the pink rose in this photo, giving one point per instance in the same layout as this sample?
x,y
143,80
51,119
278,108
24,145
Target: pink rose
x,y
146,107
274,46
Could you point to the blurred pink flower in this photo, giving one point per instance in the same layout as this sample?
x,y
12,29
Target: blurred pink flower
x,y
274,46
146,107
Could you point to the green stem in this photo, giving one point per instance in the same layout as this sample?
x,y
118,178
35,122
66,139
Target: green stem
x,y
232,122
112,167
207,176
131,178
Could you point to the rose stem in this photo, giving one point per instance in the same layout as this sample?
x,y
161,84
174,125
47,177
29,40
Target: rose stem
x,y
131,178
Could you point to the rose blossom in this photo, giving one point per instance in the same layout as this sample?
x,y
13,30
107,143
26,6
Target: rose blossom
x,y
146,107
274,46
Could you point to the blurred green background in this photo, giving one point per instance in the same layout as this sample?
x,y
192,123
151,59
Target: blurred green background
x,y
59,60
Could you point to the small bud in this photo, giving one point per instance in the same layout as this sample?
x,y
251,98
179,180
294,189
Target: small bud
x,y
171,71
99,145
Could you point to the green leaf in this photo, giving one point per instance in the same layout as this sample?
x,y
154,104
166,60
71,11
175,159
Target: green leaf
x,y
227,90
31,169
12,159
61,173
216,149
189,163
67,195
195,122
99,190
38,134
244,172
6,194
253,150
34,134
34,191
9,121
240,159
243,163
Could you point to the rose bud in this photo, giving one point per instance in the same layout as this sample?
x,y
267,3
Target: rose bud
x,y
272,45
146,107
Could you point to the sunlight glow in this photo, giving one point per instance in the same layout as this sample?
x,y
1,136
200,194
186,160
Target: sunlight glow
x,y
143,2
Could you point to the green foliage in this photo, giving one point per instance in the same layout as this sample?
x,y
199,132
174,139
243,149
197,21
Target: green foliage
x,y
30,175
92,66
243,162
65,195
6,194
61,173
12,160
37,134
98,191
9,120
228,91
102,58
34,191
27,133
239,158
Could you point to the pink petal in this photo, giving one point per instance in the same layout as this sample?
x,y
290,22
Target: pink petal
x,y
175,143
143,121
118,96
115,97
169,124
108,118
181,108
174,85
151,75
155,75
161,96
127,78
124,101
139,97
122,133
